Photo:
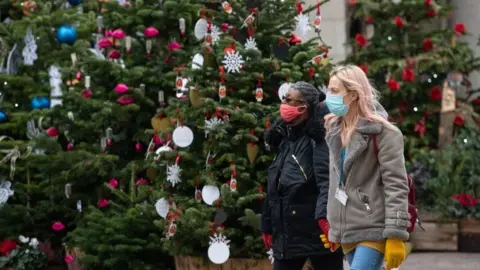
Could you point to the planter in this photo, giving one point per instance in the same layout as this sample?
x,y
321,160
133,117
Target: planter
x,y
436,237
469,236
197,263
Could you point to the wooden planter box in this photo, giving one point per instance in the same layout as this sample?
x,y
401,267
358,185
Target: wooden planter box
x,y
469,236
197,263
438,236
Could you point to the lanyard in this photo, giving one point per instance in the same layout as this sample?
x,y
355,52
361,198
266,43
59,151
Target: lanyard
x,y
343,153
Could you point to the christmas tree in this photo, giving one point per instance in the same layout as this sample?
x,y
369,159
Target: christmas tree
x,y
409,58
209,162
80,89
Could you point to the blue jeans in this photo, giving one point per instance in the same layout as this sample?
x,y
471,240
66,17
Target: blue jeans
x,y
365,258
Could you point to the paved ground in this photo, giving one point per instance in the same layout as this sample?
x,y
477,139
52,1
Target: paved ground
x,y
441,261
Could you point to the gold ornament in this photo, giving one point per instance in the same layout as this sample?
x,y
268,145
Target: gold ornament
x,y
252,152
160,124
196,98
152,174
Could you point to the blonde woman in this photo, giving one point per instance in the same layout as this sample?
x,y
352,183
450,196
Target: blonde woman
x,y
367,209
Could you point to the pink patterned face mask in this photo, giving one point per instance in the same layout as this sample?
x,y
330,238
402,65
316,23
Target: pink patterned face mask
x,y
290,113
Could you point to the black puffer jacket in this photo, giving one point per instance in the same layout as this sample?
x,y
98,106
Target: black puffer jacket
x,y
297,187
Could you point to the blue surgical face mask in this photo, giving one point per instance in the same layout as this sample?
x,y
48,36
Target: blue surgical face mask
x,y
335,104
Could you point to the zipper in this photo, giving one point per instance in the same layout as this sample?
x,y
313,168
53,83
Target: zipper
x,y
364,199
343,212
301,168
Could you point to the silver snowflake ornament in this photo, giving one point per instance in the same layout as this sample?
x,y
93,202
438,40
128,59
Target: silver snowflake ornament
x,y
251,44
233,61
215,34
219,238
173,174
29,52
303,25
5,191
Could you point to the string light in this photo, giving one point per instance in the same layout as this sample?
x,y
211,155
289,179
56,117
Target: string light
x,y
5,83
415,109
465,140
389,38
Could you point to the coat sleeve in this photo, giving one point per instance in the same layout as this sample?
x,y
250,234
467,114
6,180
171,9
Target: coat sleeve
x,y
266,224
321,170
395,183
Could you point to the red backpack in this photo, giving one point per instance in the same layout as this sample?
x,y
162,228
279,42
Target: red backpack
x,y
412,206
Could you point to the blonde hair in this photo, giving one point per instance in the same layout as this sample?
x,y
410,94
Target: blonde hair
x,y
354,79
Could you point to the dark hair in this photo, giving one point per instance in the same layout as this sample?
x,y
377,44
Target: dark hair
x,y
312,96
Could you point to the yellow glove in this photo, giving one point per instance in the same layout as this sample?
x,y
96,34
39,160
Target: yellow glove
x,y
328,244
394,253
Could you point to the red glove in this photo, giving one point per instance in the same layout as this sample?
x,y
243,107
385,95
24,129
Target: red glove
x,y
325,227
267,240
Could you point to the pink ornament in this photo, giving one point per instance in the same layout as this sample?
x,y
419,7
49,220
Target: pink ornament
x,y
124,100
109,142
78,76
113,183
151,32
87,93
173,46
108,33
118,34
121,88
157,140
58,226
141,182
69,258
104,43
70,147
225,27
138,147
102,203
114,54
52,132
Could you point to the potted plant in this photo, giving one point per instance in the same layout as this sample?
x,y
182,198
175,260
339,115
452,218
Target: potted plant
x,y
22,255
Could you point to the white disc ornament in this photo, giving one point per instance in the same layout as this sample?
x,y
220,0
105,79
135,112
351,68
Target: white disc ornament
x,y
219,250
210,194
182,136
162,206
201,28
282,91
197,61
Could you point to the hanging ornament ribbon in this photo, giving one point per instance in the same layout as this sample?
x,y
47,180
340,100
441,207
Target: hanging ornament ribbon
x,y
222,90
208,36
198,192
311,72
298,4
13,154
259,90
318,18
180,117
233,178
251,31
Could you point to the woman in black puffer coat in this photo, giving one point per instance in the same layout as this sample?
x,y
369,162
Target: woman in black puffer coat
x,y
298,183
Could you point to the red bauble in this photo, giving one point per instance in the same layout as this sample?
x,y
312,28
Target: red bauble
x,y
460,29
360,40
294,39
393,85
102,203
138,147
427,44
70,146
408,75
364,68
399,22
430,13
52,132
459,120
435,93
114,54
87,93
113,183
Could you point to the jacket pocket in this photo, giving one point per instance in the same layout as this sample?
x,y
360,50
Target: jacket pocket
x,y
301,221
365,200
